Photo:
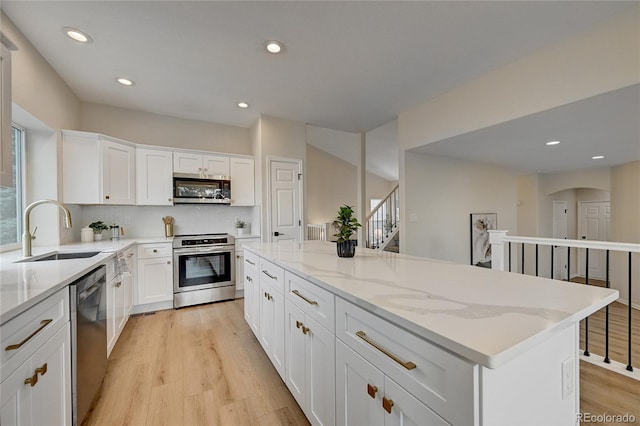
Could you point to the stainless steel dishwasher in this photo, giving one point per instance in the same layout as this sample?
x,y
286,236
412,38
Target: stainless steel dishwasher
x,y
88,340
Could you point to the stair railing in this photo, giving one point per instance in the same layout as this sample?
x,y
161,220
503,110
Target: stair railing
x,y
383,220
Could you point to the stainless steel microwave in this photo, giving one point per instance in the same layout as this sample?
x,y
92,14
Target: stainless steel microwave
x,y
188,189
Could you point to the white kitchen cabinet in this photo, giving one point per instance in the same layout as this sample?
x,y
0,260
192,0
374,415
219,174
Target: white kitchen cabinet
x,y
36,371
97,169
364,395
240,276
118,300
155,273
252,297
271,329
154,177
242,173
310,366
6,150
200,164
129,280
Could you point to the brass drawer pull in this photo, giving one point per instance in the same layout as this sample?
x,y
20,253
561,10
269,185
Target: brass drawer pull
x,y
309,301
298,324
269,275
31,380
250,262
387,404
43,324
406,364
42,370
372,390
305,330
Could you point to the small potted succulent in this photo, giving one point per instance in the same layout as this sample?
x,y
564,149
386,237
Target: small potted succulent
x,y
346,225
240,226
98,227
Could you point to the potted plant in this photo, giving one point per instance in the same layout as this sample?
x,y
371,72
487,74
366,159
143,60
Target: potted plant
x,y
346,225
240,226
98,227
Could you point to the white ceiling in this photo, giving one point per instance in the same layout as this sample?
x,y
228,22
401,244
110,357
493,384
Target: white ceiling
x,y
349,66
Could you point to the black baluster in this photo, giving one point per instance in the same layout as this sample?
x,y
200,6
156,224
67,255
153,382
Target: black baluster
x,y
586,320
606,320
509,256
629,367
522,255
568,263
536,260
551,262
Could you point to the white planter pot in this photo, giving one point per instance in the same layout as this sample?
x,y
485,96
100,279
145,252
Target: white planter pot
x,y
97,237
240,231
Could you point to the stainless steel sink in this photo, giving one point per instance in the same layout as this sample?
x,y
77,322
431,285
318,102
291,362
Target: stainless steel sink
x,y
62,256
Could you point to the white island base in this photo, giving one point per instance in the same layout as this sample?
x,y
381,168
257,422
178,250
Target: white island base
x,y
363,341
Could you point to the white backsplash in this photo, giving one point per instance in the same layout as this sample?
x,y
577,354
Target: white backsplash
x,y
146,221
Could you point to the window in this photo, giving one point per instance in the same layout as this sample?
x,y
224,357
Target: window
x,y
11,197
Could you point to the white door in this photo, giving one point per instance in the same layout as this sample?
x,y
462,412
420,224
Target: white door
x,y
595,225
285,196
560,231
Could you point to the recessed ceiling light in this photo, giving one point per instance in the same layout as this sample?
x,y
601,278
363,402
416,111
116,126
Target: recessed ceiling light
x,y
598,157
125,81
243,105
553,143
77,35
274,46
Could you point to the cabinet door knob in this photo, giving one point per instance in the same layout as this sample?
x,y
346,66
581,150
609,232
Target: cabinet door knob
x,y
371,390
155,251
168,262
169,199
31,380
298,324
387,404
106,196
305,330
42,370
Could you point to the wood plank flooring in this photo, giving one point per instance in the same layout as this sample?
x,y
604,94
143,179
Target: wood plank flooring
x,y
203,366
194,366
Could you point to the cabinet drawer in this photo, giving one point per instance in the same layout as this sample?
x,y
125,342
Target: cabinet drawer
x,y
25,333
146,251
272,274
316,302
439,379
251,260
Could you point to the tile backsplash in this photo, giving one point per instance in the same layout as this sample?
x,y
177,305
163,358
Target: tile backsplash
x,y
146,221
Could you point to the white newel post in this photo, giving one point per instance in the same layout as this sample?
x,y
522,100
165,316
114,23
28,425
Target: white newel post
x,y
496,239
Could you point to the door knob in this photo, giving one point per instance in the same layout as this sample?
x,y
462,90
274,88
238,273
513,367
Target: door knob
x,y
277,234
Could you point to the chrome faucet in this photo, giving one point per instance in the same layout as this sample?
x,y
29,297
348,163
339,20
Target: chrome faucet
x,y
26,235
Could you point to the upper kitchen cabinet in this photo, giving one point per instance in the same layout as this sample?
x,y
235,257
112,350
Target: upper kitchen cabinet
x,y
198,164
242,181
154,177
97,169
6,160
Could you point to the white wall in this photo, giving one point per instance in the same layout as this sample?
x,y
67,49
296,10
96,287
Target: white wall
x,y
443,193
154,129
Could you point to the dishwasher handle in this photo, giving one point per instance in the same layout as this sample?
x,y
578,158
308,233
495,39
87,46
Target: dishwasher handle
x,y
88,292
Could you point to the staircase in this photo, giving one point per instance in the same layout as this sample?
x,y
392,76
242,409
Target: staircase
x,y
381,225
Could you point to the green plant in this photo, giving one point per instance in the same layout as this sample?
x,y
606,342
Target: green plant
x,y
98,227
240,224
345,223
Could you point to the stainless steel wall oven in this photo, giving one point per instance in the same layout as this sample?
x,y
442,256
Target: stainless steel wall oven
x,y
203,269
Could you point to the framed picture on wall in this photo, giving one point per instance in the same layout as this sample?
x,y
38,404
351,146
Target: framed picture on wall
x,y
481,223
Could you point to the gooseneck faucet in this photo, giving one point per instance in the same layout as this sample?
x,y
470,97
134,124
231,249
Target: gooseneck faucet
x,y
26,235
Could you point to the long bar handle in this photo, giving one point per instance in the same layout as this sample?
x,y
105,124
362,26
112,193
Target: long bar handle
x,y
43,324
269,275
406,364
309,301
250,262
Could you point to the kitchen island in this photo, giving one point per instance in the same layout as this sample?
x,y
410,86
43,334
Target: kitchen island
x,y
454,343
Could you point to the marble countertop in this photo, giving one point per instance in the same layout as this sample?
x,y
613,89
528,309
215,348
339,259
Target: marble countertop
x,y
24,284
485,316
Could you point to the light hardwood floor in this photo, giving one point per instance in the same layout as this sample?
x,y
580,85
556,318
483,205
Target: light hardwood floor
x,y
194,366
203,366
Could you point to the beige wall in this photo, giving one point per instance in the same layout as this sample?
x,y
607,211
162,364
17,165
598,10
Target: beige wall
x,y
377,187
444,193
590,178
36,87
578,67
154,129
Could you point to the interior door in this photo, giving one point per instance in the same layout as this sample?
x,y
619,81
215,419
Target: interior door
x,y
560,231
595,225
285,191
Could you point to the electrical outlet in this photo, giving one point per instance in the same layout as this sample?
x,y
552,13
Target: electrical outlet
x,y
568,377
127,220
413,217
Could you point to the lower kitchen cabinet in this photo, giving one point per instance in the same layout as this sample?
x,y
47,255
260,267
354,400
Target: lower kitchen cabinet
x,y
155,273
240,276
38,392
119,296
252,292
364,395
310,367
271,328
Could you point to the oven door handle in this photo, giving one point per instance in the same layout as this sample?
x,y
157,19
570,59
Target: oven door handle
x,y
199,250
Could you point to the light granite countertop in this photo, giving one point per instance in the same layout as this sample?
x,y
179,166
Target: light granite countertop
x,y
485,316
24,284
